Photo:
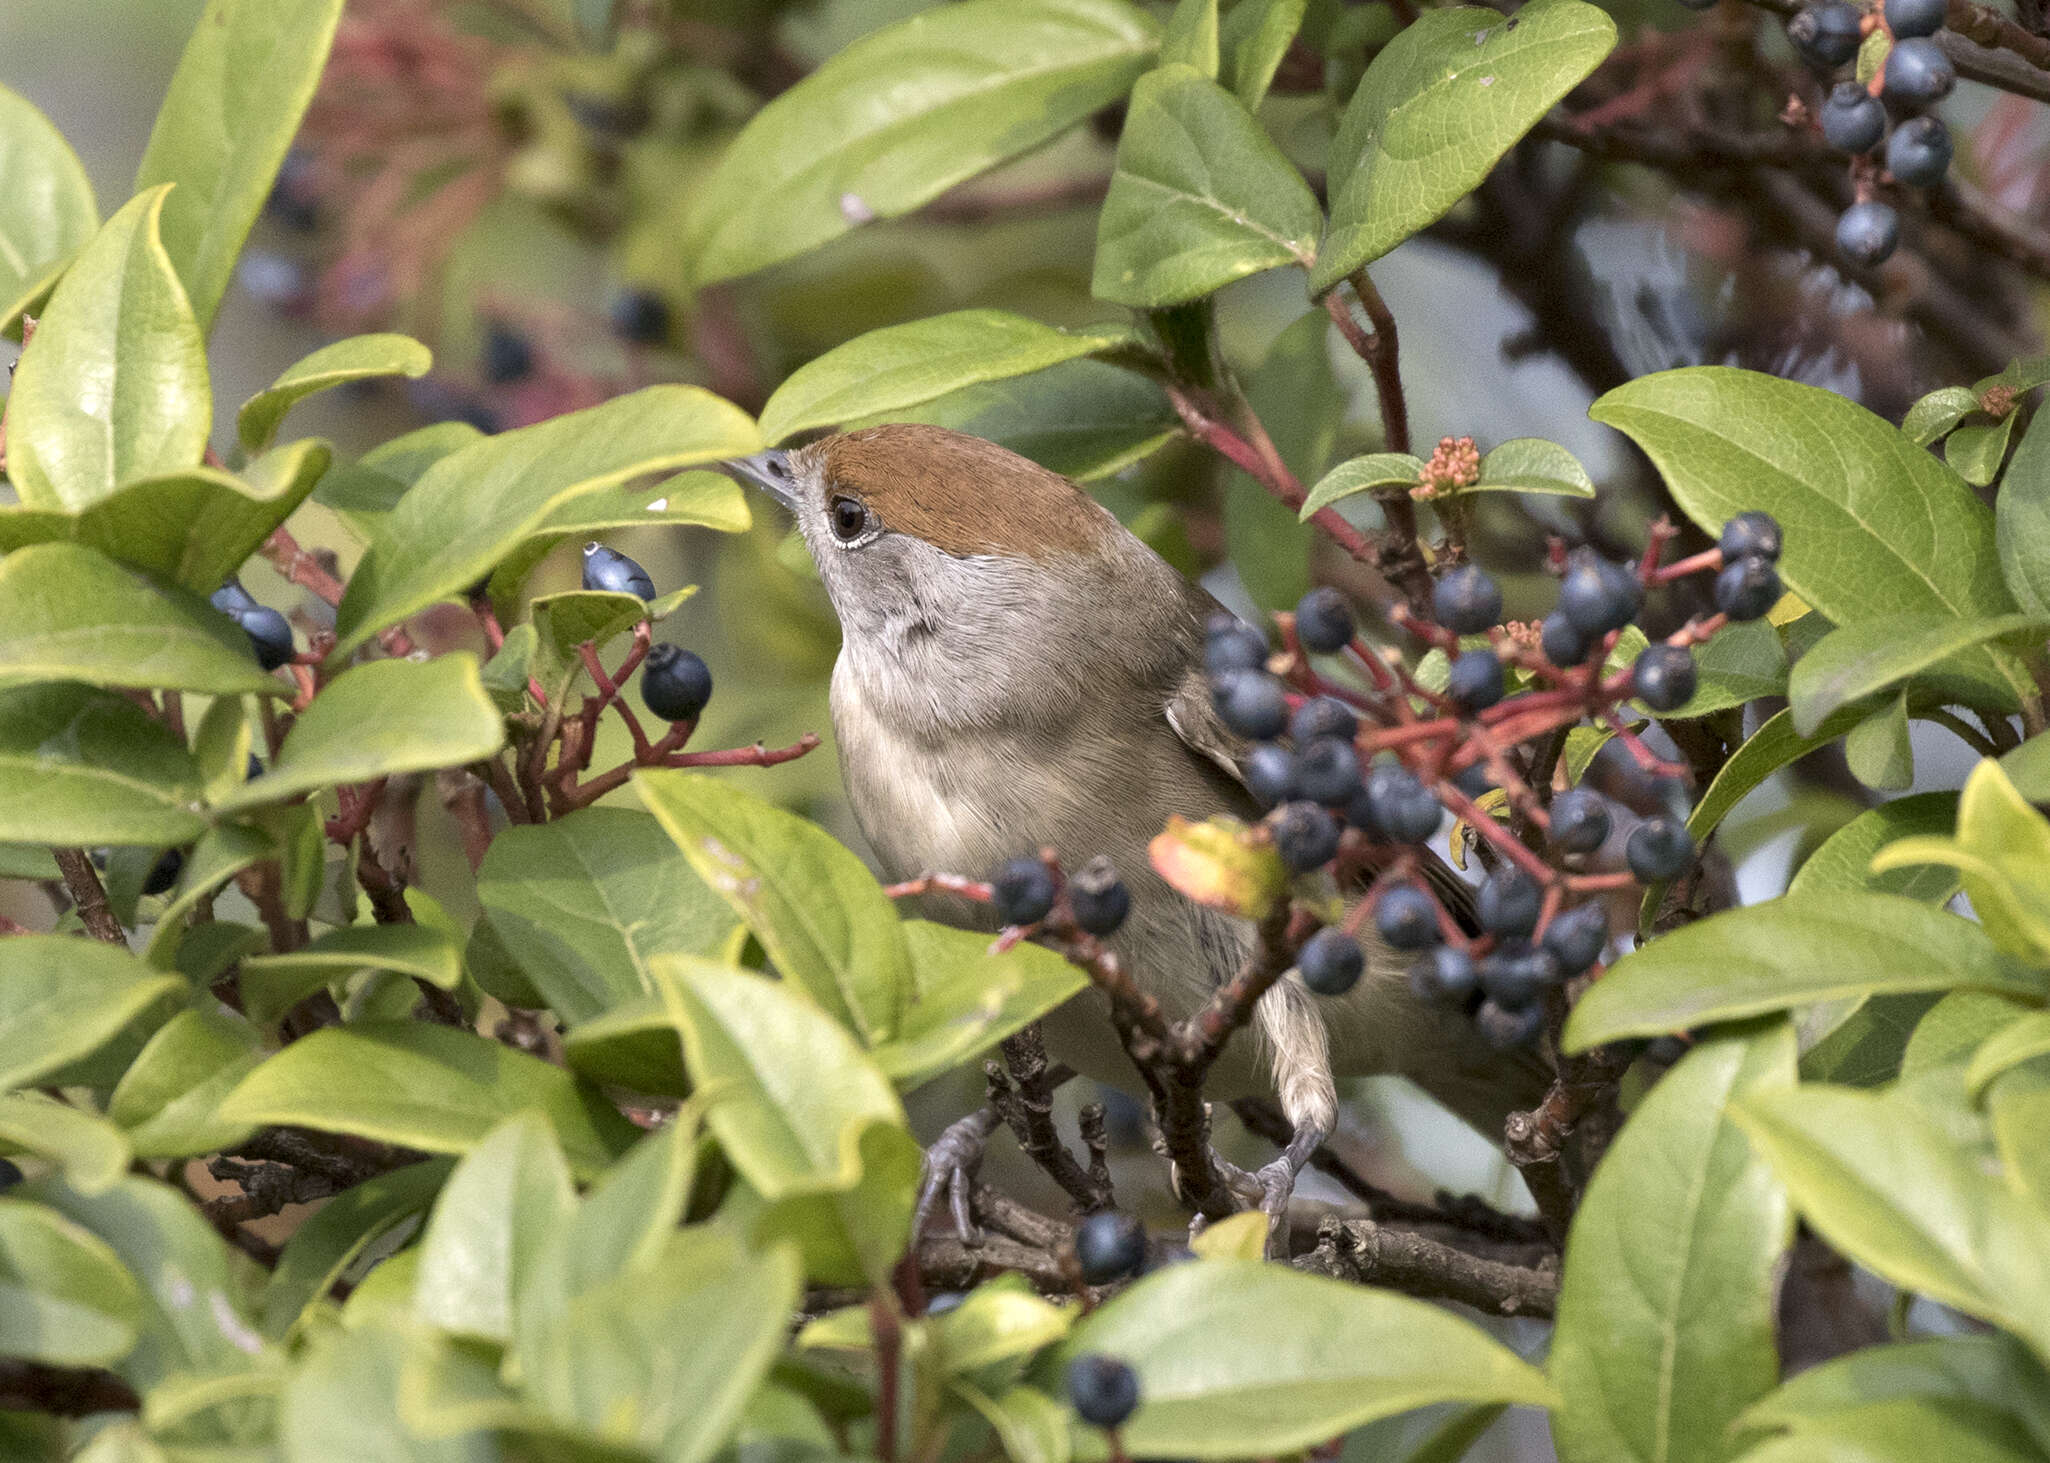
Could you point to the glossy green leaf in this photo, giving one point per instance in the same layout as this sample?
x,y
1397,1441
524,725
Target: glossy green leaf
x,y
243,83
435,1088
1239,1359
1877,749
68,613
91,1151
65,1299
1666,1307
691,499
357,358
222,852
334,1236
2002,854
114,385
564,621
582,901
82,766
1438,106
62,997
273,984
818,912
377,720
1533,465
2021,519
1373,473
1891,1192
1786,953
904,365
506,1201
168,1099
1741,664
1201,196
969,999
1868,656
1935,414
1976,450
903,114
371,486
474,506
1257,34
50,209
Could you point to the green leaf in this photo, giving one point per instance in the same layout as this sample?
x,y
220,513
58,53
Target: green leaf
x,y
818,912
1294,392
168,1099
243,83
2002,855
507,1200
1032,1427
273,984
564,621
1376,472
1257,35
1844,860
222,852
50,209
2021,519
2017,1107
506,674
634,1045
334,1236
581,902
65,1299
904,365
1240,1359
435,1088
902,115
968,999
1533,465
114,385
997,1322
81,766
372,485
1939,411
795,1092
1786,953
1220,863
23,861
1437,108
68,613
1741,664
1976,450
1877,749
358,358
62,998
342,1402
688,500
2021,1040
377,720
1201,197
853,1236
1665,1326
477,504
92,1152
1191,37
1902,1431
1890,1191
1867,657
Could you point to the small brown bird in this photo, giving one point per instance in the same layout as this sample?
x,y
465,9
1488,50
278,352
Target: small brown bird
x,y
1018,670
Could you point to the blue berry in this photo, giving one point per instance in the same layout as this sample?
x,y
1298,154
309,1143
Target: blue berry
x,y
1252,704
1747,589
10,1173
1580,821
1098,898
641,316
1562,641
231,599
1852,118
270,636
675,684
1328,771
1109,1246
1752,533
1330,962
1323,621
508,357
1868,233
1598,595
1103,1390
1517,975
1664,677
1506,1029
1577,937
1509,903
1475,681
1659,849
1323,716
1023,891
1230,644
1915,17
1401,808
164,872
1407,918
1467,601
612,572
1917,73
1270,771
1919,152
1447,974
1305,836
1827,35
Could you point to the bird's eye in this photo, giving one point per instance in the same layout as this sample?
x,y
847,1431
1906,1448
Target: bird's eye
x,y
850,519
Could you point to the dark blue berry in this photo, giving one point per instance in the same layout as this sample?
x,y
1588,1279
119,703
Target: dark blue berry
x,y
1447,974
1829,34
231,599
1915,17
1330,962
1475,681
675,684
1467,601
1401,807
1752,533
1323,716
270,636
1577,937
1508,903
1919,152
1659,849
1474,780
1917,73
508,357
1305,836
1599,595
1506,1029
1664,677
1323,621
641,316
1023,891
1518,974
1852,118
612,572
1270,771
1747,589
1230,644
1098,898
164,872
295,197
1328,772
1109,1246
1580,820
1407,918
10,1173
1252,704
1103,1389
1562,641
1868,233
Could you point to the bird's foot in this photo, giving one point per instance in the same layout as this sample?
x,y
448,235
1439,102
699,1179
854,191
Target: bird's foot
x,y
1274,1184
951,1164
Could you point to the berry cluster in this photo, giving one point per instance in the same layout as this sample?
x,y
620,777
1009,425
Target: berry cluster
x,y
1915,76
675,683
270,634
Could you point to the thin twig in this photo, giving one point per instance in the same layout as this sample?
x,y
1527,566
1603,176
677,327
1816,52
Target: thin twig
x,y
89,896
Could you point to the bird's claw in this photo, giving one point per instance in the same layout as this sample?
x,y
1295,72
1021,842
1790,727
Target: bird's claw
x,y
950,1167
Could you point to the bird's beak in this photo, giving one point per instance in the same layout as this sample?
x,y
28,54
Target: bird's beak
x,y
770,471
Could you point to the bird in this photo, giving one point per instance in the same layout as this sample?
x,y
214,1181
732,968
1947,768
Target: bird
x,y
1018,670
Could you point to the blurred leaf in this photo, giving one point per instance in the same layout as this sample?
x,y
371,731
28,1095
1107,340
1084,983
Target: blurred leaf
x,y
334,1236
1939,411
1844,861
969,999
1241,1359
65,1299
222,852
1295,394
342,1403
1201,196
2002,855
2021,519
81,766
373,484
2022,1040
903,114
168,1099
1221,863
2017,1107
1438,106
634,1045
1001,1320
904,365
435,1088
114,385
234,104
50,209
1372,473
1877,749
1031,1426
1257,34
1954,1028
91,1151
1240,1237
357,358
1786,953
377,720
1743,663
505,675
1869,656
505,1203
273,984
1191,38
853,1236
1533,465
818,912
474,506
1976,451
61,998
1901,1432
70,614
1665,1327
24,861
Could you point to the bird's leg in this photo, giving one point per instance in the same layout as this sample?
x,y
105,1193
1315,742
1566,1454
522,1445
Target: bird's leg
x,y
950,1168
1276,1180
